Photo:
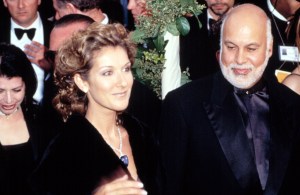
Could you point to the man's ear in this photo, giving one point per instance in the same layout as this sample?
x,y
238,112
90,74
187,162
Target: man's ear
x,y
71,8
4,2
81,84
218,56
270,49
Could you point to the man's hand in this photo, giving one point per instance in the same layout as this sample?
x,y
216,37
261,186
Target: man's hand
x,y
35,53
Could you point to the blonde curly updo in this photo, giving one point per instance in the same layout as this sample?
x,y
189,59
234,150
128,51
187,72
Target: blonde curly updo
x,y
76,57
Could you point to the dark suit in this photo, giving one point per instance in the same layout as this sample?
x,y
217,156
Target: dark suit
x,y
5,26
198,49
205,149
79,158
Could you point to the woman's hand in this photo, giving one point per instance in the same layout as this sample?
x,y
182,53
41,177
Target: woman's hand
x,y
120,186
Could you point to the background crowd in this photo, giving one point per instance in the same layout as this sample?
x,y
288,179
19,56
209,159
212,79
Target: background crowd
x,y
73,120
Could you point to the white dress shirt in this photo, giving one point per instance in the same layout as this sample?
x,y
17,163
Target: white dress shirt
x,y
171,75
38,37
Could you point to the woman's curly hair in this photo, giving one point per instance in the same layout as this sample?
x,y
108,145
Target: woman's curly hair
x,y
76,57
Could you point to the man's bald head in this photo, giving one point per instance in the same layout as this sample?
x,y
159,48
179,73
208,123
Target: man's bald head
x,y
246,45
65,27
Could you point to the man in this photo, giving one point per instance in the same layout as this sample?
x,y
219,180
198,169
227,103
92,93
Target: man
x,y
198,48
24,16
280,11
84,7
233,132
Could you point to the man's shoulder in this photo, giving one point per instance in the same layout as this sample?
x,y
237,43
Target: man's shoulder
x,y
199,88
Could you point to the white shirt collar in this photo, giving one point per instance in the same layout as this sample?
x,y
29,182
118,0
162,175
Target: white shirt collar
x,y
209,16
105,20
275,12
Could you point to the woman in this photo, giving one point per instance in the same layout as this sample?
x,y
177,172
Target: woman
x,y
101,149
21,138
293,33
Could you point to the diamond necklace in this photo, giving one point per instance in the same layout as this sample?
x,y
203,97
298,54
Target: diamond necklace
x,y
123,157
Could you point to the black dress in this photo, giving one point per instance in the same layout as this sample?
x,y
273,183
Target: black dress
x,y
17,165
79,158
18,161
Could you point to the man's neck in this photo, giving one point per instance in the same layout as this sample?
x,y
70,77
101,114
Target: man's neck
x,y
210,14
95,14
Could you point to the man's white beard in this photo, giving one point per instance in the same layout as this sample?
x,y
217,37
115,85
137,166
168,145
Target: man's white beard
x,y
243,81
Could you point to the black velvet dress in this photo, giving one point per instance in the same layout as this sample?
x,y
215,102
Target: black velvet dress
x,y
18,161
79,158
17,164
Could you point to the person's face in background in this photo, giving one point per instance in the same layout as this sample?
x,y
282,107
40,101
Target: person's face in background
x,y
218,8
244,51
109,81
137,8
12,92
23,12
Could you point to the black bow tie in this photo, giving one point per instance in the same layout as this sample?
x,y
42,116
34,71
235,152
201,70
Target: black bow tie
x,y
20,32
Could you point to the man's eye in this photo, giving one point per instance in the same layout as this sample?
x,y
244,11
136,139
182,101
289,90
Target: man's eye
x,y
251,49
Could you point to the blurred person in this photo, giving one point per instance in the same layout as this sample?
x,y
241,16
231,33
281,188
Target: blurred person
x,y
23,137
237,131
26,29
279,11
101,149
293,32
198,48
85,7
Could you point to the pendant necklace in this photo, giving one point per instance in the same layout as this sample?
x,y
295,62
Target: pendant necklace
x,y
123,157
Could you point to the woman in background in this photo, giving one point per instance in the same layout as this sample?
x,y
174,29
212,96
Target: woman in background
x,y
101,149
21,137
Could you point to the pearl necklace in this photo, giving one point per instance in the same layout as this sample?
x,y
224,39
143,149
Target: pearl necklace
x,y
123,157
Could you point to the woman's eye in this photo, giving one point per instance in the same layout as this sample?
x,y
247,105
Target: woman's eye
x,y
107,73
127,69
17,90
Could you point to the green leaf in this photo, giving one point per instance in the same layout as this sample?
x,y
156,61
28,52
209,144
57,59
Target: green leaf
x,y
187,2
159,43
137,36
172,28
183,25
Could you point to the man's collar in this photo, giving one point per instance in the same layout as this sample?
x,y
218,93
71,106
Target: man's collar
x,y
275,12
105,20
259,86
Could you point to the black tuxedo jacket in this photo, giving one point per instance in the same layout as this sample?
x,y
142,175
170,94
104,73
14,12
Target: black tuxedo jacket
x,y
78,159
5,26
198,49
205,149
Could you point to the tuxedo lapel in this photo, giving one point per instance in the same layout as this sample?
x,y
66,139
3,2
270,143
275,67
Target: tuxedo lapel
x,y
226,120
